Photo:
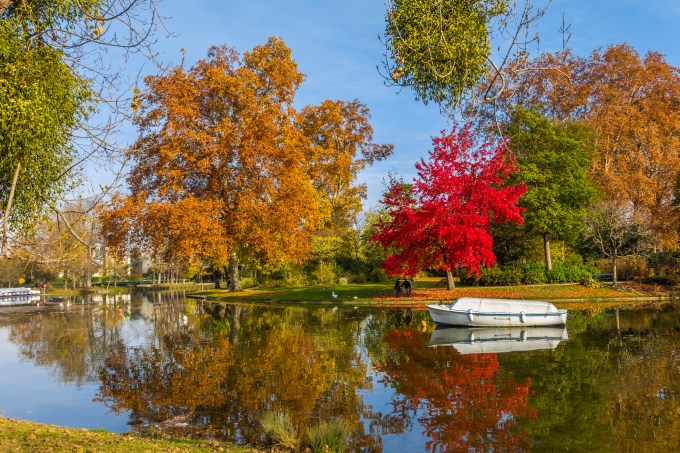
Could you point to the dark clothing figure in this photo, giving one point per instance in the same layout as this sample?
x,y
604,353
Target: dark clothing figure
x,y
397,288
407,287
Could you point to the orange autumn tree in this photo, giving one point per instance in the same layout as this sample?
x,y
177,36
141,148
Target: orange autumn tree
x,y
341,145
225,168
631,101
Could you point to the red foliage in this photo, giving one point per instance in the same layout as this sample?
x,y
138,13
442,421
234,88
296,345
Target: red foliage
x,y
443,221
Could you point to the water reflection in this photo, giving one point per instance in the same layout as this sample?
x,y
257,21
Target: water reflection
x,y
463,402
476,340
200,369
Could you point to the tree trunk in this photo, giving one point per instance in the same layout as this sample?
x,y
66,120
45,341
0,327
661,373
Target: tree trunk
x,y
546,251
614,279
450,284
8,207
217,276
234,277
88,268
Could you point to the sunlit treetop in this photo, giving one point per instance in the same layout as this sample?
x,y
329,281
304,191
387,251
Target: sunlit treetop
x,y
439,48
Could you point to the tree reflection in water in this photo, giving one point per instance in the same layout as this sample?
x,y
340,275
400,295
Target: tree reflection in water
x,y
255,361
463,401
72,341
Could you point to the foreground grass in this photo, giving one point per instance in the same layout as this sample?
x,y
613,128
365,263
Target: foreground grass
x,y
23,436
424,291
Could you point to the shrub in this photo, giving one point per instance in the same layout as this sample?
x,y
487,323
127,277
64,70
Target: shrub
x,y
533,274
358,278
279,429
570,273
342,281
247,282
496,276
556,275
325,275
378,275
329,437
489,277
590,282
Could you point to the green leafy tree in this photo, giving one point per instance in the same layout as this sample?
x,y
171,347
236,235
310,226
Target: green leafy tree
x,y
554,163
42,102
441,49
51,75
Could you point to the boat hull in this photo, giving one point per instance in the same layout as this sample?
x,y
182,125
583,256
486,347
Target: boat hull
x,y
487,315
18,292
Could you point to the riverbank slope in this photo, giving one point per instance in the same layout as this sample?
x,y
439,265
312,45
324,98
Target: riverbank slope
x,y
24,436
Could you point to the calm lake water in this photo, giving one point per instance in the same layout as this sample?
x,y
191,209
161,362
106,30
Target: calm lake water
x,y
197,369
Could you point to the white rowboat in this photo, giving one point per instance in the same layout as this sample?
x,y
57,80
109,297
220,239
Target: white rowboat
x,y
18,292
482,312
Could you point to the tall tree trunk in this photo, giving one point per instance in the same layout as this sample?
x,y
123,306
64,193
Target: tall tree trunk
x,y
217,276
88,268
450,284
5,217
234,277
614,279
546,251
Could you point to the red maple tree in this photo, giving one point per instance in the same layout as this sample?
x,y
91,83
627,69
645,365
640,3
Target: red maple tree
x,y
443,220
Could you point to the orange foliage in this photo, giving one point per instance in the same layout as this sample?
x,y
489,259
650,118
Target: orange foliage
x,y
339,132
224,164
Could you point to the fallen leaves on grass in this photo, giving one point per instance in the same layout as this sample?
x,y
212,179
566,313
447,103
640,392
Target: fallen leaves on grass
x,y
508,292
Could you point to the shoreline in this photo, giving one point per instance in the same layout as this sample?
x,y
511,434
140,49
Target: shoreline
x,y
28,436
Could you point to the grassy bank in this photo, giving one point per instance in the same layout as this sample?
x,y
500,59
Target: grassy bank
x,y
429,290
23,436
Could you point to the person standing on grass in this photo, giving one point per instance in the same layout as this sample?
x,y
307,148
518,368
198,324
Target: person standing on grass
x,y
407,287
397,287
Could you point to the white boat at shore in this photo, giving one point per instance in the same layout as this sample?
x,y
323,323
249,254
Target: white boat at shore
x,y
18,292
19,300
480,340
483,312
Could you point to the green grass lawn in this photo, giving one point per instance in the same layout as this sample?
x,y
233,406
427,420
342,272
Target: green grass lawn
x,y
424,290
23,436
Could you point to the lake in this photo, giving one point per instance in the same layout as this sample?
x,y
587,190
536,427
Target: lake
x,y
158,361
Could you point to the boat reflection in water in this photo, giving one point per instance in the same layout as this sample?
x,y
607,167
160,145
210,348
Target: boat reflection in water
x,y
471,340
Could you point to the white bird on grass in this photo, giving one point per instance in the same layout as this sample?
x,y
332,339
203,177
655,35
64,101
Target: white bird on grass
x,y
334,295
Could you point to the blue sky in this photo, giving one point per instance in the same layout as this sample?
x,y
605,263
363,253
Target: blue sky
x,y
335,43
